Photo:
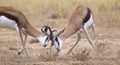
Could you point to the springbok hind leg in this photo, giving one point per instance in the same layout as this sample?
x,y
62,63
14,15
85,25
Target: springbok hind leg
x,y
89,39
78,38
94,30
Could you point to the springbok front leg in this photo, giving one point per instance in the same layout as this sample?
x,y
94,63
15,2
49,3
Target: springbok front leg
x,y
25,34
78,39
21,41
89,39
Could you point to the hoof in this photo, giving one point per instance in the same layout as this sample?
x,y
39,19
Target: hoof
x,y
19,51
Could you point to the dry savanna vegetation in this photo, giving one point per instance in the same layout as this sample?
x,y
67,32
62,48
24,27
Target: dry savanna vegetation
x,y
55,13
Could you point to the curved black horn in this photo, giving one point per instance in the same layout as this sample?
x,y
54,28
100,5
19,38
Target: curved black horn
x,y
60,32
54,31
45,28
52,35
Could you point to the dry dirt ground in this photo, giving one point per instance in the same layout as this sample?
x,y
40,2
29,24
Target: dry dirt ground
x,y
108,44
108,41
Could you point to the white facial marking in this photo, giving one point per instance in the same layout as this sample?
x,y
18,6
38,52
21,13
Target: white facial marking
x,y
58,44
89,22
61,42
43,40
7,23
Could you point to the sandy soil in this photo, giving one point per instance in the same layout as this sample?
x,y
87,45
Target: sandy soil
x,y
108,44
108,41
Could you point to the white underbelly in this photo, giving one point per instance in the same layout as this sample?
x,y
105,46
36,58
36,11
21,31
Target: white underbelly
x,y
7,23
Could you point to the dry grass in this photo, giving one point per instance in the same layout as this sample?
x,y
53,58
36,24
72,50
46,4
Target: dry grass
x,y
81,55
45,10
37,10
47,56
55,13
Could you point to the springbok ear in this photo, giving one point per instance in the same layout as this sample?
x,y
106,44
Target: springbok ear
x,y
60,32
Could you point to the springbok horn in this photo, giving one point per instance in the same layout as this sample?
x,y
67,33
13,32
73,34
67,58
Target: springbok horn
x,y
60,32
52,35
45,28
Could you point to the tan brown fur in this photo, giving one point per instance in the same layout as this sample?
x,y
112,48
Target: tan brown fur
x,y
75,22
22,21
79,19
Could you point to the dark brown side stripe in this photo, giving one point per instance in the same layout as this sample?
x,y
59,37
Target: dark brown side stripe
x,y
87,16
9,16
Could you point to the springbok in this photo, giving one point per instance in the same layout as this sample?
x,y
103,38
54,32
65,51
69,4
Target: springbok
x,y
15,20
81,18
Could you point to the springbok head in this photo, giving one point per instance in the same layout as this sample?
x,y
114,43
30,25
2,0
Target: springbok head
x,y
48,35
57,41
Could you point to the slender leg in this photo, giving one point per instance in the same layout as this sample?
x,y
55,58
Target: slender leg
x,y
20,36
78,38
89,39
93,28
94,31
25,38
21,49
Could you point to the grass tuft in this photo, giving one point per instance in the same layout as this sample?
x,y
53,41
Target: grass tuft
x,y
47,55
81,55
